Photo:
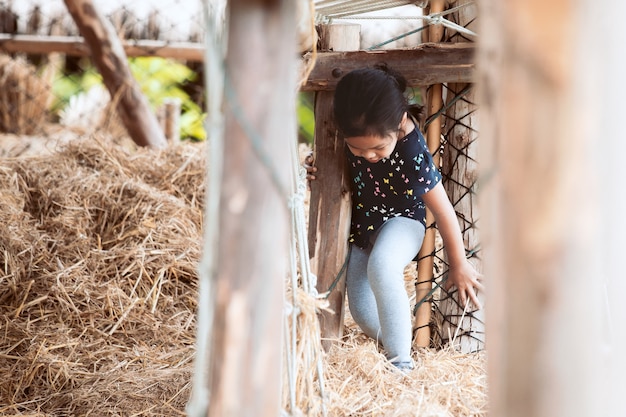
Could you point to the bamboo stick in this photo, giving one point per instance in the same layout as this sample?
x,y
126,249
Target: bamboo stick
x,y
426,255
460,166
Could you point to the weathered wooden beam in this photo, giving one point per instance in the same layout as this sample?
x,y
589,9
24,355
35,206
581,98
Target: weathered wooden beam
x,y
76,46
329,213
245,371
112,63
427,64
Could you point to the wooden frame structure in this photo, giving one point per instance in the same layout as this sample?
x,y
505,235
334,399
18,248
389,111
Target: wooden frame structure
x,y
428,64
543,239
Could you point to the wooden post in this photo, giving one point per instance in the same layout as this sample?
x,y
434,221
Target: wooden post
x,y
544,194
329,216
33,26
260,96
109,57
169,119
426,255
460,167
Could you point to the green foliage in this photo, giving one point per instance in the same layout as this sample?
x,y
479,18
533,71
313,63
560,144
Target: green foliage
x,y
161,79
306,117
158,78
67,86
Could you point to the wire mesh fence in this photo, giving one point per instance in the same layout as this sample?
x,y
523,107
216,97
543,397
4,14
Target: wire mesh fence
x,y
460,325
453,322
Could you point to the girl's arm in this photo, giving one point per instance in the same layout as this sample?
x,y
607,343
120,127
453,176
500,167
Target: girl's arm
x,y
462,274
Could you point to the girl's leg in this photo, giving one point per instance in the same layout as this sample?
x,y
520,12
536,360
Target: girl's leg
x,y
361,300
396,244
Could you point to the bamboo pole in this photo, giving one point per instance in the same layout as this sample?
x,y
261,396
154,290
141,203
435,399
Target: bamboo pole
x,y
426,255
329,216
460,167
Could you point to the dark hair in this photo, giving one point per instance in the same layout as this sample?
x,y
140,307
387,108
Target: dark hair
x,y
370,101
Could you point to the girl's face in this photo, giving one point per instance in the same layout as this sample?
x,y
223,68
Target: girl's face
x,y
373,148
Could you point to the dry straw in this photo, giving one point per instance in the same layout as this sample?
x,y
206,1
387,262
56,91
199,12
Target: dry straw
x,y
24,96
98,297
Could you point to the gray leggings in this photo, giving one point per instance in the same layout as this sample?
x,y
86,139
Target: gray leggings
x,y
377,297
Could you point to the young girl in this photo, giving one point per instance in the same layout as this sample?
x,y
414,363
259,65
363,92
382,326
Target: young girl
x,y
393,180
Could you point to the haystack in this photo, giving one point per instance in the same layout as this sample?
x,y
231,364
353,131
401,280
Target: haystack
x,y
98,295
24,96
99,290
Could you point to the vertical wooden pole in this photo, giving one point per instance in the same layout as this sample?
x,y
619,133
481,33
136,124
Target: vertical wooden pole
x,y
109,57
169,118
539,206
426,255
460,167
260,95
329,216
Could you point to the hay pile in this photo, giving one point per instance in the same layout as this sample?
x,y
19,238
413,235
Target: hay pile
x,y
99,255
445,383
24,96
98,296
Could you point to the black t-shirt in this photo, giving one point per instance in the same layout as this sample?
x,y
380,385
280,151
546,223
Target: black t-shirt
x,y
391,187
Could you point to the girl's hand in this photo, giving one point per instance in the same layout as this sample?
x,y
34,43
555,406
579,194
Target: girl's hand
x,y
467,282
309,162
462,274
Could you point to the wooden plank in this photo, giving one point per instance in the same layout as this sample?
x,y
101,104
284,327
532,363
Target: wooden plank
x,y
428,64
76,46
329,218
438,63
110,60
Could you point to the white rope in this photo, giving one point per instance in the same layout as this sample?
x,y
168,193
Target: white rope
x,y
300,273
215,40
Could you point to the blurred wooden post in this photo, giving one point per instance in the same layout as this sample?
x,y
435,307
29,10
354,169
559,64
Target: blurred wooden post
x,y
33,26
426,255
460,168
329,216
110,59
169,119
248,285
540,175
